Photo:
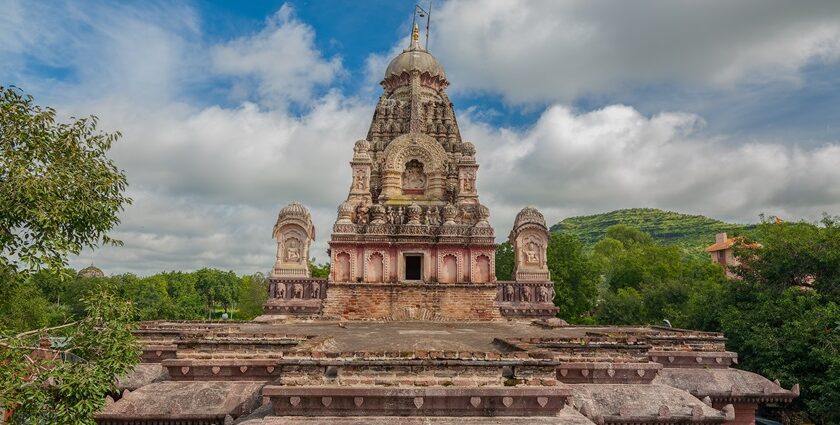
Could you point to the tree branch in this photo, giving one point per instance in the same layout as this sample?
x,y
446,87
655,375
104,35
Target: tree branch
x,y
35,331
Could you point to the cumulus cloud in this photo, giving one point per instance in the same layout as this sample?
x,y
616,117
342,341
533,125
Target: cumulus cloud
x,y
281,60
548,50
208,180
578,163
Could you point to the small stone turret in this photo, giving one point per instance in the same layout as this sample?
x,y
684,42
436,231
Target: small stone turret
x,y
294,233
529,238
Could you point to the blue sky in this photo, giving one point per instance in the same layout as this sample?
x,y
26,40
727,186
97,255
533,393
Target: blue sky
x,y
230,110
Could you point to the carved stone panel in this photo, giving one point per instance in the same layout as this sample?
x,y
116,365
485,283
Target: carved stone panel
x,y
529,238
294,233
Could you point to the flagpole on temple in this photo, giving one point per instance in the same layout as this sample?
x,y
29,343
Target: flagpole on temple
x,y
418,10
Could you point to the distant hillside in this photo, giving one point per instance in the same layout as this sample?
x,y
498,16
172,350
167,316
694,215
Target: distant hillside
x,y
691,232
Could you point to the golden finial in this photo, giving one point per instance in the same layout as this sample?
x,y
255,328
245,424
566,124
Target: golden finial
x,y
415,33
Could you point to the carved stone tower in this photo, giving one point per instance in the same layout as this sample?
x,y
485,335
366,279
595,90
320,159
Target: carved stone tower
x,y
413,214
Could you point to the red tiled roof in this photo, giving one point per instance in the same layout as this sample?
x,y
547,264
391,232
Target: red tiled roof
x,y
720,246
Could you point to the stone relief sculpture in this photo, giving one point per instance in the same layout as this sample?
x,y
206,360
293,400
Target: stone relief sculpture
x,y
413,177
544,295
293,232
292,249
315,291
297,291
526,294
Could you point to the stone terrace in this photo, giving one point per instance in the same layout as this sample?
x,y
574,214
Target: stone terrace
x,y
483,372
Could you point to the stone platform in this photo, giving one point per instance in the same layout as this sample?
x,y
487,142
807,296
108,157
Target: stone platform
x,y
421,372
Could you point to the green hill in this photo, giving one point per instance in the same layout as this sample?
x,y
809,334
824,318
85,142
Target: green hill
x,y
691,232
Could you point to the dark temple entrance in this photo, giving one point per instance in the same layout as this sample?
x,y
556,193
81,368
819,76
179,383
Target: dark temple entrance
x,y
413,267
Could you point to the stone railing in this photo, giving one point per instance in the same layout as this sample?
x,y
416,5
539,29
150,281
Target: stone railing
x,y
526,299
297,296
297,288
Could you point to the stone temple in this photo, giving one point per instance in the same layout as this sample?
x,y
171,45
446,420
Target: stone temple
x,y
412,326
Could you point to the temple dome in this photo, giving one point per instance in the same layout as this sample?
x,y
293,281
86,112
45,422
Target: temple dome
x,y
529,215
294,210
415,58
91,272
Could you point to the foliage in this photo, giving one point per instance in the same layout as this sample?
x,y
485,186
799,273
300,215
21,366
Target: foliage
x,y
253,293
216,286
504,261
59,193
319,270
575,277
644,281
69,385
691,233
790,335
783,315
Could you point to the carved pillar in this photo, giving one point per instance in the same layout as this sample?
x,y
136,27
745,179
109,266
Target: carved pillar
x,y
361,164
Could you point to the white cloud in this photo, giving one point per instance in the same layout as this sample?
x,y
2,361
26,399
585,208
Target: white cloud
x,y
546,50
578,163
282,59
208,180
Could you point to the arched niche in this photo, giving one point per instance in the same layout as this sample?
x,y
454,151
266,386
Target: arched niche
x,y
414,151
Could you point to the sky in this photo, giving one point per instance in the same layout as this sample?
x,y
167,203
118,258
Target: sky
x,y
231,110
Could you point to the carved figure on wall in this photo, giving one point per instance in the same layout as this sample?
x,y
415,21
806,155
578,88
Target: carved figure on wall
x,y
297,291
469,182
509,293
293,250
433,216
532,252
315,290
361,176
362,214
413,214
400,215
543,294
413,177
281,291
527,296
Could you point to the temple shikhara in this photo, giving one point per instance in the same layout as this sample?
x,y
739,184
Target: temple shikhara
x,y
412,325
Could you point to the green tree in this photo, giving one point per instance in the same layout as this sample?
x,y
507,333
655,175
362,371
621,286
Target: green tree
x,y
69,385
217,287
253,293
575,277
186,301
504,261
319,270
783,317
59,193
666,283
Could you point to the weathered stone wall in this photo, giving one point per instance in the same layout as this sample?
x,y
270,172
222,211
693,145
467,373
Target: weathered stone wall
x,y
359,301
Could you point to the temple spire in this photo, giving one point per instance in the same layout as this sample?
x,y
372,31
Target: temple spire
x,y
415,38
